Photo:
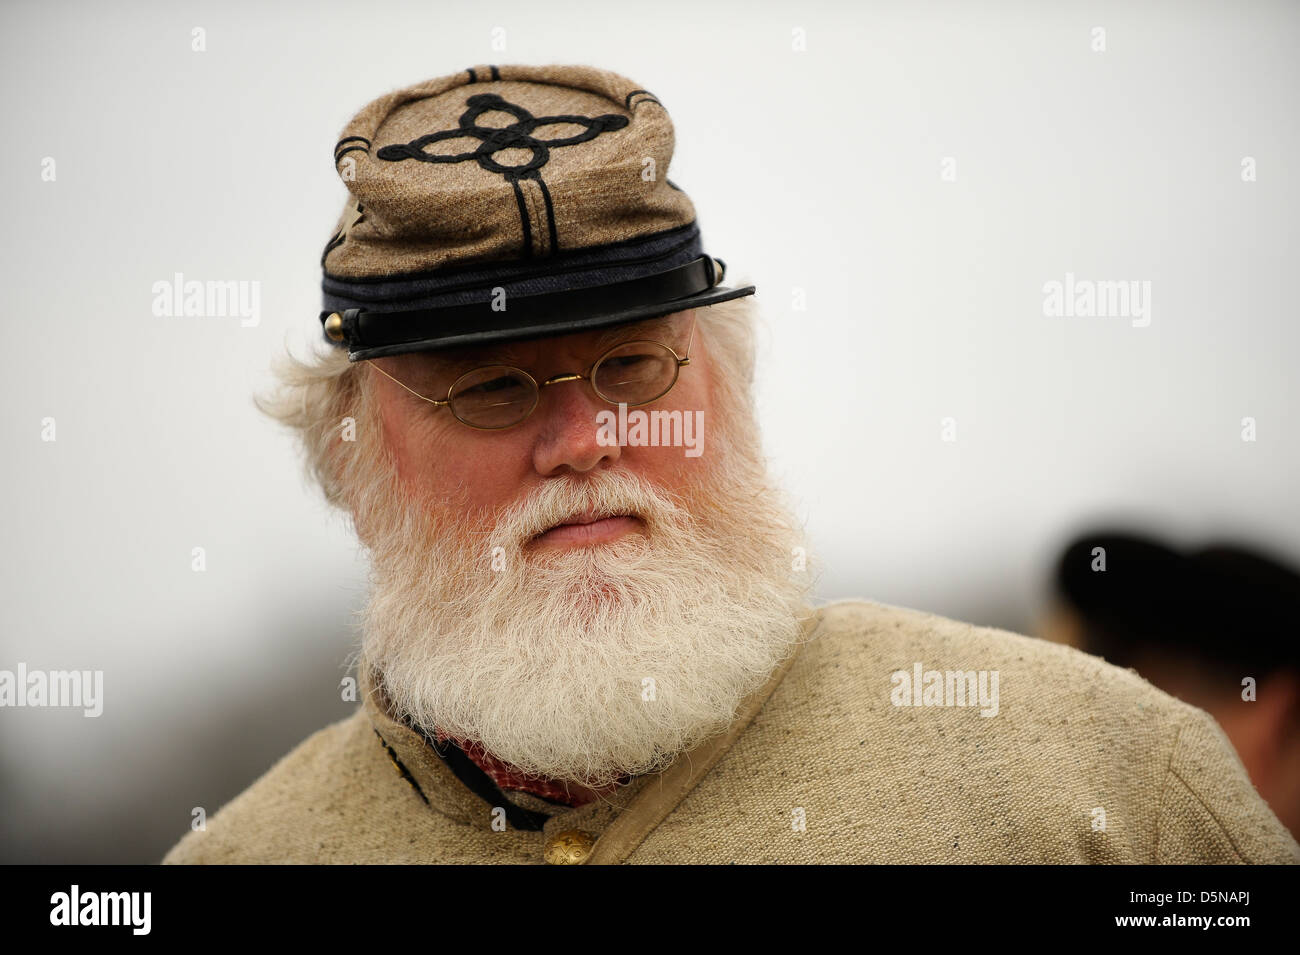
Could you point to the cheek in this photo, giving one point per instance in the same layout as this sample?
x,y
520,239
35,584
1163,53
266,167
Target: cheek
x,y
672,467
437,457
410,433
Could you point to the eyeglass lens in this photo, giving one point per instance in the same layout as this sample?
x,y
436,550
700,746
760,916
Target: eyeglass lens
x,y
498,396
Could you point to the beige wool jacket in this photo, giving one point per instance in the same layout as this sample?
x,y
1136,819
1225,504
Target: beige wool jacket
x,y
828,763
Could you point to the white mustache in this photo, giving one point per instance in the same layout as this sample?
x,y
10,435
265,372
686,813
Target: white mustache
x,y
566,501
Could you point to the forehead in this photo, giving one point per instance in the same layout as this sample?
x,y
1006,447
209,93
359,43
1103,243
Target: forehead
x,y
588,344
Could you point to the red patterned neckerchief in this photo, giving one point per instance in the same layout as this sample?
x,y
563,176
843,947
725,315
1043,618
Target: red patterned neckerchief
x,y
507,777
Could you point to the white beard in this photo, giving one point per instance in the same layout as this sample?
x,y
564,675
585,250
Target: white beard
x,y
586,663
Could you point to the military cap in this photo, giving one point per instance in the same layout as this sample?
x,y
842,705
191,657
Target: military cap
x,y
510,202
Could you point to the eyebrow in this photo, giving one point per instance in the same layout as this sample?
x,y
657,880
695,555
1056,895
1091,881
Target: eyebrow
x,y
472,356
634,332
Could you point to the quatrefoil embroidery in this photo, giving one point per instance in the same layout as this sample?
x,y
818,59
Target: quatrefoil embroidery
x,y
518,135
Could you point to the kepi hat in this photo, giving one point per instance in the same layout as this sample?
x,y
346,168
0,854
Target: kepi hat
x,y
510,202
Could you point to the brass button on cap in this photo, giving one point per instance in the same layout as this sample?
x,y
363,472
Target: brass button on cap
x,y
334,327
569,848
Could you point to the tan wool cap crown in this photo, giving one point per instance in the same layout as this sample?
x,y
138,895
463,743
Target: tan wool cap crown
x,y
509,202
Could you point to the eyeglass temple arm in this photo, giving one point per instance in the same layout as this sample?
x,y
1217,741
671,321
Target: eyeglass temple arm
x,y
432,401
689,342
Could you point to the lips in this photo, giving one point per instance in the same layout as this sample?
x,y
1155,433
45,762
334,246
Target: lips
x,y
591,526
590,516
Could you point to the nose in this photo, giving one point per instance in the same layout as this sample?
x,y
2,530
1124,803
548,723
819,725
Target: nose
x,y
568,434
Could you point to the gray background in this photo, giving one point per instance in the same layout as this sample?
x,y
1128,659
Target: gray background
x,y
816,170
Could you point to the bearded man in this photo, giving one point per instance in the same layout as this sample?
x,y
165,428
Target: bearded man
x,y
588,637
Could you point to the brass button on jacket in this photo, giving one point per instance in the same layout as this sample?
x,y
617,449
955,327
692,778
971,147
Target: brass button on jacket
x,y
569,848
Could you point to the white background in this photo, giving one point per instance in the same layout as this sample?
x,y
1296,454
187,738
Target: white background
x,y
815,170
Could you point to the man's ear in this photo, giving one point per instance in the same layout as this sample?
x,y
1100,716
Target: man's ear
x,y
1278,707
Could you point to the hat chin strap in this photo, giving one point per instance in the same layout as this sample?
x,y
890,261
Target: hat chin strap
x,y
362,328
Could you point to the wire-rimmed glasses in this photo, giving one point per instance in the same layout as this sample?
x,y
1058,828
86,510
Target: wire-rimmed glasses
x,y
494,397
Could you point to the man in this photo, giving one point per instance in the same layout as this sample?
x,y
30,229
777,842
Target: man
x,y
588,638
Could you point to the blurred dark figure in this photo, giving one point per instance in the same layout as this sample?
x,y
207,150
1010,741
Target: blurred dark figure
x,y
1201,626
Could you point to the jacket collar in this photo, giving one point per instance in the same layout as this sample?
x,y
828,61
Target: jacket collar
x,y
622,821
